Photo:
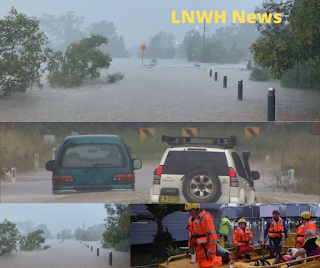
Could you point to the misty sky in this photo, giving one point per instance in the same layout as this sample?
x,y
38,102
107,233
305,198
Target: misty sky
x,y
136,20
56,216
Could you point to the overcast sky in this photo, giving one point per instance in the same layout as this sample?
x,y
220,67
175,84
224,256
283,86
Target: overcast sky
x,y
56,216
136,20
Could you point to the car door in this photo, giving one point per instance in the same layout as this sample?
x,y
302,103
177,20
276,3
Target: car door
x,y
242,175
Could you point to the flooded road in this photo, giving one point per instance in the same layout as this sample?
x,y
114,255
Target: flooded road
x,y
173,91
70,254
36,188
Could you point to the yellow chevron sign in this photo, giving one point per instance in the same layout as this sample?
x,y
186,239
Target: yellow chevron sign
x,y
147,133
189,132
252,132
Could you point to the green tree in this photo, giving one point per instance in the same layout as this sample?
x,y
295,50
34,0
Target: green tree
x,y
82,60
192,44
21,53
32,240
116,46
118,225
160,46
63,29
156,213
46,232
9,236
288,48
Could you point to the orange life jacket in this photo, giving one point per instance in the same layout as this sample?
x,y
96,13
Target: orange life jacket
x,y
276,228
242,237
305,226
203,236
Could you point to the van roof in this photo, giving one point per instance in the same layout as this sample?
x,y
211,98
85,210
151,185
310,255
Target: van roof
x,y
94,139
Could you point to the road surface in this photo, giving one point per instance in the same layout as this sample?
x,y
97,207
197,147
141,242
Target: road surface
x,y
173,91
36,188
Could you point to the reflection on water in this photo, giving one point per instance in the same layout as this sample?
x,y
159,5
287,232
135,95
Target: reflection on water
x,y
70,253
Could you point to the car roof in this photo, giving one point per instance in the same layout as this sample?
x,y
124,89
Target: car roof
x,y
93,139
208,149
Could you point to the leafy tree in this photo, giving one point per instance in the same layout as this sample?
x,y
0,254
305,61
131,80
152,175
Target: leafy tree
x,y
63,30
9,236
46,233
21,53
192,43
26,227
157,213
118,225
116,46
290,47
32,240
82,60
65,234
160,46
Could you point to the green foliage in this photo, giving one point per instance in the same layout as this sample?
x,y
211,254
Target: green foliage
x,y
9,237
112,78
116,46
106,245
294,42
301,76
123,246
213,51
160,46
46,246
82,60
118,225
157,261
154,61
32,241
173,251
259,74
21,53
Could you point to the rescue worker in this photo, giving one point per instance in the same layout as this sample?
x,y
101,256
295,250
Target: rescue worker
x,y
276,230
306,224
241,238
311,245
225,223
221,241
202,236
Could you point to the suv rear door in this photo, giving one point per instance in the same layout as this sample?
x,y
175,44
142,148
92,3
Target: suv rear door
x,y
242,175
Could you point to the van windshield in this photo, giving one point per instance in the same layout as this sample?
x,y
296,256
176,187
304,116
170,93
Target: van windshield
x,y
87,155
181,162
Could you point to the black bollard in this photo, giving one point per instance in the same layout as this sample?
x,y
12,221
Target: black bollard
x,y
225,81
97,251
91,248
271,104
210,72
216,76
110,258
240,89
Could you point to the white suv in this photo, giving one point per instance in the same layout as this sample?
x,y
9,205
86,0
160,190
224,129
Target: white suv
x,y
203,174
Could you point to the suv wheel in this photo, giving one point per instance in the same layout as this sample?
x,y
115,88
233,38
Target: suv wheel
x,y
201,186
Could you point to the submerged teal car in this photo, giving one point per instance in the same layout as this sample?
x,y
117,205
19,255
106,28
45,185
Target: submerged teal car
x,y
94,163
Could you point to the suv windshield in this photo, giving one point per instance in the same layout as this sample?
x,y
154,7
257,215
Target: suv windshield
x,y
87,155
181,162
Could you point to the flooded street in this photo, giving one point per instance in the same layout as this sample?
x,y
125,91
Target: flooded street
x,y
173,91
69,254
36,188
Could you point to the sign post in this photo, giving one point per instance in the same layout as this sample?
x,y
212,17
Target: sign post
x,y
143,48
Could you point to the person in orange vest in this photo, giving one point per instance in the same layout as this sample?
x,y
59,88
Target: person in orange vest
x,y
276,230
241,238
306,224
202,236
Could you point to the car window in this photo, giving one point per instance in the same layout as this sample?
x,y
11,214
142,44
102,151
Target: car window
x,y
86,155
239,166
181,162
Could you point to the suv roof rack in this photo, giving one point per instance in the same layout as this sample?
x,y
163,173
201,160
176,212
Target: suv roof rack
x,y
227,143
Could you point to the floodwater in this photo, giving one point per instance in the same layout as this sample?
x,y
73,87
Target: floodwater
x,y
69,254
36,188
173,91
